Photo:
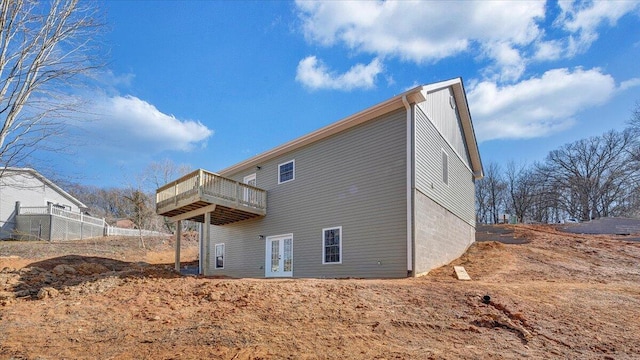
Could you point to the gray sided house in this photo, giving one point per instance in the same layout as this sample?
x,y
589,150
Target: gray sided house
x,y
28,202
385,193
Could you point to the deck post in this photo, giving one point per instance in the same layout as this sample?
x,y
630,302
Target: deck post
x,y
178,237
175,192
207,242
237,194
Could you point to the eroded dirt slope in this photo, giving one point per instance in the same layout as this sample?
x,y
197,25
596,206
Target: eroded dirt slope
x,y
556,296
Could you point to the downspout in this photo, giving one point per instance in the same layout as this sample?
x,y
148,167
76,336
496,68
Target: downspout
x,y
409,186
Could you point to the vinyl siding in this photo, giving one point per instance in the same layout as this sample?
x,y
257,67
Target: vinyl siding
x,y
446,120
30,191
458,195
355,179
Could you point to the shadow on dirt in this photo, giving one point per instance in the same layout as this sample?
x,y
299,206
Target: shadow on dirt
x,y
499,233
606,226
74,274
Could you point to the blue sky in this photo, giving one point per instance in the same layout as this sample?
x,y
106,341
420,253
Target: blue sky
x,y
210,84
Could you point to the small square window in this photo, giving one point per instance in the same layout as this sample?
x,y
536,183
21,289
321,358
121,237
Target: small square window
x,y
286,171
219,256
332,245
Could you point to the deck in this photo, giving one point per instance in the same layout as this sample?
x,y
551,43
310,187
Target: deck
x,y
199,192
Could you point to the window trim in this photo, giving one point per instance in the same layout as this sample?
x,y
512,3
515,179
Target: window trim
x,y
215,257
324,262
293,175
246,179
445,167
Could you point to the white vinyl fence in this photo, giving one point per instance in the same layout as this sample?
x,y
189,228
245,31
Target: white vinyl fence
x,y
116,231
52,223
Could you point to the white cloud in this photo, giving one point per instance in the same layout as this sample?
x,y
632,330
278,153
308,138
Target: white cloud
x,y
537,106
548,50
628,84
419,31
582,18
426,31
314,74
109,78
509,63
509,34
129,123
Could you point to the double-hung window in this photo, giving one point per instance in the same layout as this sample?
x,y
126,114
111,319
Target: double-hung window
x,y
286,171
219,256
332,245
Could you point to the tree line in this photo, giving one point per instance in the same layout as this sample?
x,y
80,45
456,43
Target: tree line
x,y
135,200
586,179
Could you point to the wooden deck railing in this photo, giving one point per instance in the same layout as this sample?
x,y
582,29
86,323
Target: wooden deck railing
x,y
202,182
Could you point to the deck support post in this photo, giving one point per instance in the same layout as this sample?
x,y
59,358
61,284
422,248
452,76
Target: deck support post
x,y
207,242
178,237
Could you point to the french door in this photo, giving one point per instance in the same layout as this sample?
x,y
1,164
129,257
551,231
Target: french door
x,y
279,256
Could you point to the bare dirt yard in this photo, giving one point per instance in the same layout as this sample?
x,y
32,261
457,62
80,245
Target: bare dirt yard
x,y
552,295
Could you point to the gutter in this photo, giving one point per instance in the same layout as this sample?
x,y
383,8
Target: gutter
x,y
409,185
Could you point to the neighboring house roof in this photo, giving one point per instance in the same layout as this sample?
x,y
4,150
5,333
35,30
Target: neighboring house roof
x,y
46,181
415,95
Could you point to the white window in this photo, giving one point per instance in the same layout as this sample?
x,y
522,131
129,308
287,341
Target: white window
x,y
286,171
332,245
250,195
445,168
219,256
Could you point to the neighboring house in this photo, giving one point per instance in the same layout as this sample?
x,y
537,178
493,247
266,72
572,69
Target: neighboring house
x,y
386,193
31,190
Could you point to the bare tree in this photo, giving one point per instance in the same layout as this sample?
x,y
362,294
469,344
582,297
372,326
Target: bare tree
x,y
482,201
589,178
490,195
135,201
109,203
45,49
141,211
544,205
496,188
592,175
634,122
158,174
634,128
521,189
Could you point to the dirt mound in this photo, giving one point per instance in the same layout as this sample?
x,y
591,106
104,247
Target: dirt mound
x,y
557,295
72,274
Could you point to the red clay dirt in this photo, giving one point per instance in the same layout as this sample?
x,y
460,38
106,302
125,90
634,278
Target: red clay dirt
x,y
556,296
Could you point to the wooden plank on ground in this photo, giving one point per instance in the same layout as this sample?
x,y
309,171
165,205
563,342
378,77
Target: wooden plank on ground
x,y
461,273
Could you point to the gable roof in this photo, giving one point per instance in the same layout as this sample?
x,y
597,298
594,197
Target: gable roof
x,y
460,96
46,181
415,95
